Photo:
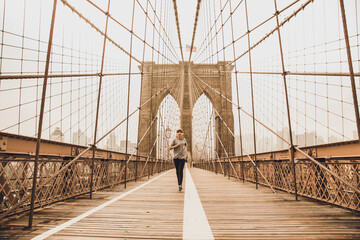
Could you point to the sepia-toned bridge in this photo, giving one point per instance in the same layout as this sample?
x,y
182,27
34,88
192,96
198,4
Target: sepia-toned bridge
x,y
266,92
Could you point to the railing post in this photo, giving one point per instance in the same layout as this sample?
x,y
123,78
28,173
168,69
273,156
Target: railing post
x,y
292,159
43,96
351,70
228,167
128,94
237,89
216,167
225,167
252,93
125,170
98,103
136,166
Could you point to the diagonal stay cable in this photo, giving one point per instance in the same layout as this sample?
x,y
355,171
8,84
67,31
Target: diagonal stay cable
x,y
129,30
230,101
298,149
178,29
98,30
328,170
128,160
148,157
30,76
83,152
232,133
206,136
147,130
273,30
216,32
252,161
227,155
210,30
218,160
195,26
161,25
239,38
198,93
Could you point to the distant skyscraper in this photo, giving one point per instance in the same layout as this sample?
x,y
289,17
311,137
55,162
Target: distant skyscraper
x,y
57,135
131,147
80,138
111,142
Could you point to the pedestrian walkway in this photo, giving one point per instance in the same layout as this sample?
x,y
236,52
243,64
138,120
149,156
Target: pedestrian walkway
x,y
209,207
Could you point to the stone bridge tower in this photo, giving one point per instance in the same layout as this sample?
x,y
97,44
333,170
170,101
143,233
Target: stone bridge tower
x,y
180,80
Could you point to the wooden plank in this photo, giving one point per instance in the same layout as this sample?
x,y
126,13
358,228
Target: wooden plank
x,y
156,210
236,210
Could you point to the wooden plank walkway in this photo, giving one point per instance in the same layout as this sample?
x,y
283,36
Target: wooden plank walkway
x,y
155,211
239,211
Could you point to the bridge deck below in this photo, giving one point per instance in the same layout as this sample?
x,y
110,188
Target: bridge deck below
x,y
233,210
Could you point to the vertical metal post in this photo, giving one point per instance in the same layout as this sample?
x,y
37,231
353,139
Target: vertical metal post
x,y
237,92
136,162
252,94
43,96
292,159
128,95
228,167
152,167
98,104
142,78
351,70
225,75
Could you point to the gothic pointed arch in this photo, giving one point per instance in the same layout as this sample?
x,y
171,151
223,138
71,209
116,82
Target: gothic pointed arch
x,y
182,80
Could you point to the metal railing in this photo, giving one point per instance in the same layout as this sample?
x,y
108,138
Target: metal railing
x,y
16,174
311,180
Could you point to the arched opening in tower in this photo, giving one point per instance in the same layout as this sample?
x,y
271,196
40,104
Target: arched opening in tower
x,y
168,121
203,130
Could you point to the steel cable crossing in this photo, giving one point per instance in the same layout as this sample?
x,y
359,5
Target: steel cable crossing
x,y
165,42
285,73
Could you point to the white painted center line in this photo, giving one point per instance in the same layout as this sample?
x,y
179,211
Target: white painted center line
x,y
91,211
195,225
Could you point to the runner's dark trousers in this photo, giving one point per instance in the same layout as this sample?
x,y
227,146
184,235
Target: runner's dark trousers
x,y
179,165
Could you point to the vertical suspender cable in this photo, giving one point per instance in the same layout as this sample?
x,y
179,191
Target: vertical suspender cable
x,y
225,75
252,94
292,159
351,70
43,96
98,104
195,26
142,78
128,95
238,100
178,29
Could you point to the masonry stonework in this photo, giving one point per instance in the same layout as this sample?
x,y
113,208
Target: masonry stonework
x,y
213,80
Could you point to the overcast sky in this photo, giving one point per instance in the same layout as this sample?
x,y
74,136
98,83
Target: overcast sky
x,y
312,42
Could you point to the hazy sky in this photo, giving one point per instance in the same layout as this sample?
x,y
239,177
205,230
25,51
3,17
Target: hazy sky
x,y
312,42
